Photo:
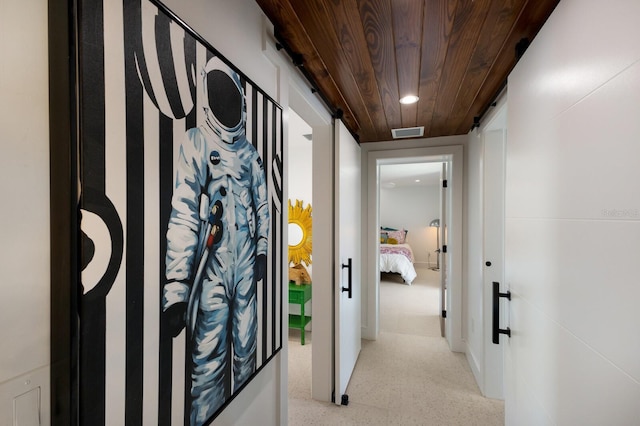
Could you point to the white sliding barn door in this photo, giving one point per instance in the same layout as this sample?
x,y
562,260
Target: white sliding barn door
x,y
347,258
493,217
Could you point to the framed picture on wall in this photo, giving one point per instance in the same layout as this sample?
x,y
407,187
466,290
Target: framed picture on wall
x,y
179,299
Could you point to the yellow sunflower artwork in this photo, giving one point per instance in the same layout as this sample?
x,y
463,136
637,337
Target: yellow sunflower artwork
x,y
300,233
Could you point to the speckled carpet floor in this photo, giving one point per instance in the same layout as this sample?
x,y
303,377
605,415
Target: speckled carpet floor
x,y
406,377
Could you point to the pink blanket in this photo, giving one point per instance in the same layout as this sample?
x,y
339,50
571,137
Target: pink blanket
x,y
397,249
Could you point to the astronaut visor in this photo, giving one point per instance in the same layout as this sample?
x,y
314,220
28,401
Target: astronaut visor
x,y
225,100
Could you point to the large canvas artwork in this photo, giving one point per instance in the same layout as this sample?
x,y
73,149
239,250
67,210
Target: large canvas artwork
x,y
181,220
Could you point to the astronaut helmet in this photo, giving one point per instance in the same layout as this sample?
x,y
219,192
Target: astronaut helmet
x,y
225,107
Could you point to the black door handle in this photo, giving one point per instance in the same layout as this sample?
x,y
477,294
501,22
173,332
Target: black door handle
x,y
497,331
349,288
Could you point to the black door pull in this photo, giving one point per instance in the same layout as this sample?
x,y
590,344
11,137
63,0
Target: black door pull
x,y
349,283
497,331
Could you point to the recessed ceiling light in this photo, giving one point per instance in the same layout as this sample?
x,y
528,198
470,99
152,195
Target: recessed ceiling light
x,y
409,99
417,180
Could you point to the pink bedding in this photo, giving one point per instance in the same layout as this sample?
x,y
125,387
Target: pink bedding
x,y
398,258
402,249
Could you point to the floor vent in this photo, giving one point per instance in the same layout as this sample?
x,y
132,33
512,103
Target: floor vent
x,y
408,132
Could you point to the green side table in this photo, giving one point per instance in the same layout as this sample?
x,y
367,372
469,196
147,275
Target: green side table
x,y
299,294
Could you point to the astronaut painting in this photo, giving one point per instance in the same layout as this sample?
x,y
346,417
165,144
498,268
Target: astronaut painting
x,y
217,244
182,208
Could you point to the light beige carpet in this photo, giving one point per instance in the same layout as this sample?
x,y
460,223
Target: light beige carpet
x,y
406,377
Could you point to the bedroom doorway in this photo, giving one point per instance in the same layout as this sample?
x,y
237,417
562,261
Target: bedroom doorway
x,y
450,268
411,222
411,207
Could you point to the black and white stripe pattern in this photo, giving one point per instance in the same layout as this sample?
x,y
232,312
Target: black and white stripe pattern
x,y
165,63
140,77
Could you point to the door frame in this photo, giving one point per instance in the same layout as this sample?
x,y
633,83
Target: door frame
x,y
317,116
454,155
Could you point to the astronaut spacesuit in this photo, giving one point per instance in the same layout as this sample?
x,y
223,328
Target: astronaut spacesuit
x,y
217,243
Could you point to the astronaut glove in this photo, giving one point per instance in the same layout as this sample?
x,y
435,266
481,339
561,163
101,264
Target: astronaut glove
x,y
261,267
175,318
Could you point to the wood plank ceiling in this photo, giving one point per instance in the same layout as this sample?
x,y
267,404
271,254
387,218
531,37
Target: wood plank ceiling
x,y
362,56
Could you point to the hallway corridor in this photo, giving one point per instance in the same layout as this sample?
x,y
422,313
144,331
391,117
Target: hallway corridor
x,y
406,377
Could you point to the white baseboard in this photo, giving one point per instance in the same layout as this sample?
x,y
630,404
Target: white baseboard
x,y
475,368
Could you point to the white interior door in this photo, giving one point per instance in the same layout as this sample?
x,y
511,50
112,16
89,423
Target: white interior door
x,y
348,252
442,254
493,214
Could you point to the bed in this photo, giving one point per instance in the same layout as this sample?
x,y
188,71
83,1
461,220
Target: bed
x,y
396,255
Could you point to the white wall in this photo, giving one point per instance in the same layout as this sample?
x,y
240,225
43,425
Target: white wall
x,y
412,208
573,220
236,30
24,188
300,160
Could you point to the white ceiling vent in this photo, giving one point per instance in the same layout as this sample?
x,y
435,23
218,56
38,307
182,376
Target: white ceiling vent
x,y
408,132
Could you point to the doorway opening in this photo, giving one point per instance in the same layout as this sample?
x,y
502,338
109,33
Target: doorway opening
x,y
311,111
450,264
410,247
300,250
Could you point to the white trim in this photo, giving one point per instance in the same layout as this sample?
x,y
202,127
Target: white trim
x,y
371,293
475,366
295,93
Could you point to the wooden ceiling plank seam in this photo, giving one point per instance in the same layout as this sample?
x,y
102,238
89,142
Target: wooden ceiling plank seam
x,y
407,19
467,68
496,28
289,25
466,121
420,41
431,69
381,48
350,34
315,18
531,18
464,36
